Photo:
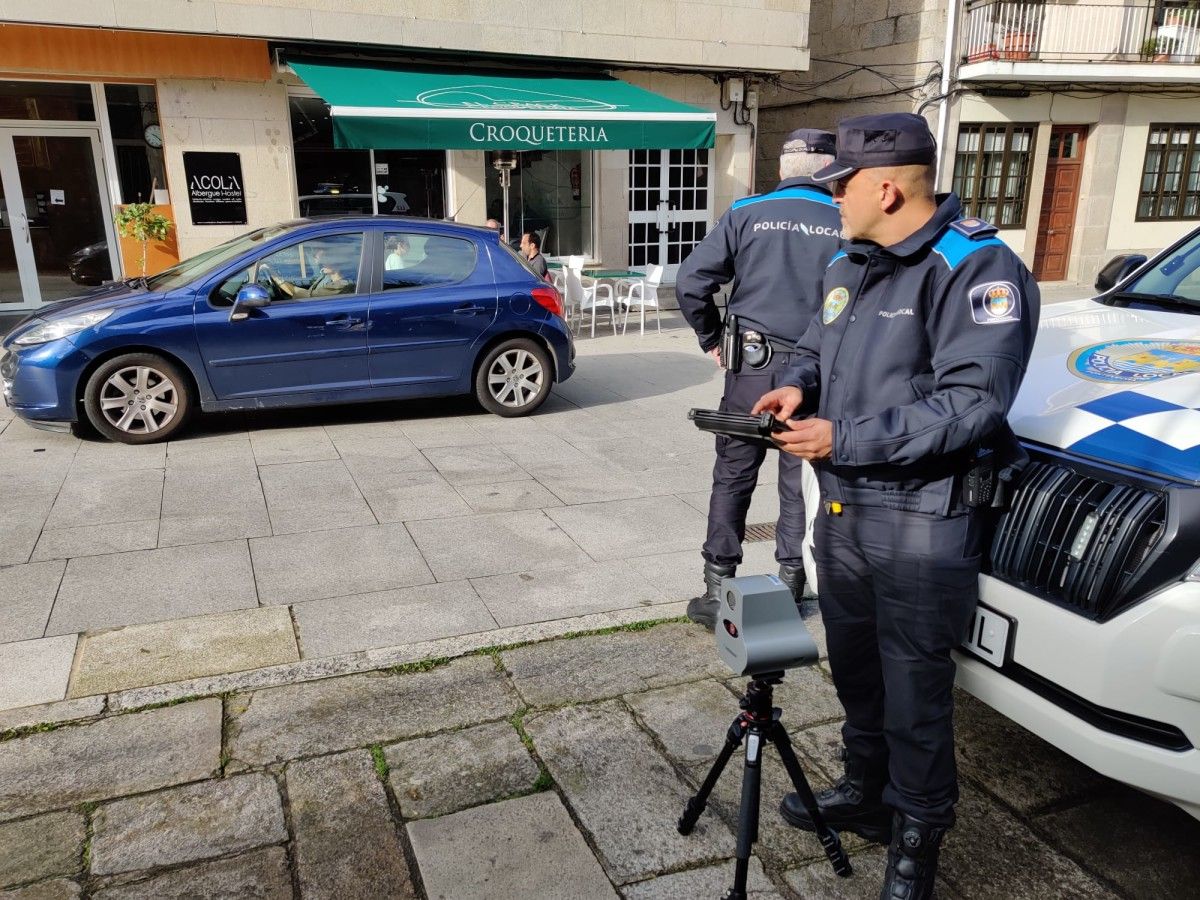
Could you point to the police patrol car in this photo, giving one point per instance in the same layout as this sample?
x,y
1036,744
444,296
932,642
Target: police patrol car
x,y
1088,628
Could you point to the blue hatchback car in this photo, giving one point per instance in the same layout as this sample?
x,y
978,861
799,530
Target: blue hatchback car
x,y
316,311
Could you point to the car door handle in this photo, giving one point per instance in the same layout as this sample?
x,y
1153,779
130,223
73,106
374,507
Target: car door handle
x,y
469,309
342,322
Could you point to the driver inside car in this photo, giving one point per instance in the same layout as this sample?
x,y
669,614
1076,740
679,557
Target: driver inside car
x,y
329,280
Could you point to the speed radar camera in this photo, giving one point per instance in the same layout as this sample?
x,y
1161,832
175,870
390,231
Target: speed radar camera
x,y
759,629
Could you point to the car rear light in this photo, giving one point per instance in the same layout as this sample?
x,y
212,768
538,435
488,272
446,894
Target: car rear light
x,y
549,299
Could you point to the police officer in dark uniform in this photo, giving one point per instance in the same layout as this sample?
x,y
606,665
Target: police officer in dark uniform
x,y
910,367
775,248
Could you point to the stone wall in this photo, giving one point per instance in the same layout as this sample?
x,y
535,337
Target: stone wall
x,y
900,39
758,35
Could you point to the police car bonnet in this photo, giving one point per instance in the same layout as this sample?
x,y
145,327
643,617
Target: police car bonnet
x,y
867,142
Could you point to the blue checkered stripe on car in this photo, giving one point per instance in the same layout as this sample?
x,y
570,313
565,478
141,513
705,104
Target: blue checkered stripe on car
x,y
1143,432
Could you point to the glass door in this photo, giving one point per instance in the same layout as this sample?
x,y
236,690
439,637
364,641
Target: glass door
x,y
56,234
670,207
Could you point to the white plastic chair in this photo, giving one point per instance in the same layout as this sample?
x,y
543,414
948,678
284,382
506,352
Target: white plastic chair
x,y
587,296
641,292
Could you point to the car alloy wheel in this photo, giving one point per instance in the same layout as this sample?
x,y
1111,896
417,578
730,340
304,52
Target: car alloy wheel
x,y
139,400
515,378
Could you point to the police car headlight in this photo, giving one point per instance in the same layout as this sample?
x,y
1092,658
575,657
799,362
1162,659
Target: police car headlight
x,y
61,328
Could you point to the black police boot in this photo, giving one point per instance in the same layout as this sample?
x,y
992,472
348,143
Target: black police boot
x,y
912,859
793,577
703,609
853,804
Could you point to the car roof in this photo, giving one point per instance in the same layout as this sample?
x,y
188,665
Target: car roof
x,y
360,219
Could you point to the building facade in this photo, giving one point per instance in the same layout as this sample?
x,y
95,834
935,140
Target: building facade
x,y
196,106
1071,126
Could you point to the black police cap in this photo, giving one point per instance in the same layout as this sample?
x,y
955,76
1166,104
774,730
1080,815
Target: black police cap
x,y
889,139
809,140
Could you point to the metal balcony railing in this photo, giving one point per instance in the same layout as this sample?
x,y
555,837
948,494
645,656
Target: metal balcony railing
x,y
1054,32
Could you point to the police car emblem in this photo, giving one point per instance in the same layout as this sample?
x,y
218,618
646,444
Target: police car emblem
x,y
1134,361
835,302
995,302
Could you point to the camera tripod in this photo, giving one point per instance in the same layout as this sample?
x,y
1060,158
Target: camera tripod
x,y
756,724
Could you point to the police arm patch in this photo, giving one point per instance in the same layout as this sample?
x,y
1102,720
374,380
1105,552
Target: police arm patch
x,y
995,303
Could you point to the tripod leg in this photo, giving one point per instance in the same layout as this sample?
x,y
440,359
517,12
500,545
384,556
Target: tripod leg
x,y
827,836
696,805
747,833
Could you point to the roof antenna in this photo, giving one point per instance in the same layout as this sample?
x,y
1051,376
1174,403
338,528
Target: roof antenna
x,y
454,218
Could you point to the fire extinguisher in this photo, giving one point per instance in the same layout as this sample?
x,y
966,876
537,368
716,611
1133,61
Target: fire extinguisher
x,y
575,179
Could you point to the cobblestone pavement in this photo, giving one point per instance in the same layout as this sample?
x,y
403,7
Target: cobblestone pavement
x,y
548,770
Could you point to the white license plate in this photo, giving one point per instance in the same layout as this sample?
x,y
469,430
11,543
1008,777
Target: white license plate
x,y
989,635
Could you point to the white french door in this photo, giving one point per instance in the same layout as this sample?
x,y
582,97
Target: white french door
x,y
56,234
670,207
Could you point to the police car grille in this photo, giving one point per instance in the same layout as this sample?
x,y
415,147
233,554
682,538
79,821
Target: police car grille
x,y
1077,540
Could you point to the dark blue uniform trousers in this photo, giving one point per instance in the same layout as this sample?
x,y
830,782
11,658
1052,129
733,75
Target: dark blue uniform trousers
x,y
736,473
897,591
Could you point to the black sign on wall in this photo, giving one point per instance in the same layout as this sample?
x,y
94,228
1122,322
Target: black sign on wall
x,y
216,192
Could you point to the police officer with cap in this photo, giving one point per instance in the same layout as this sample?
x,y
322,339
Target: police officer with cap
x,y
909,372
774,247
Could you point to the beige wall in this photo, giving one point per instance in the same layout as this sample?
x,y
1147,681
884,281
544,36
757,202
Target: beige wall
x,y
246,118
753,35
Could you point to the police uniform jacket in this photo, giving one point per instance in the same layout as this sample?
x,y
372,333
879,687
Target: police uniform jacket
x,y
916,357
775,248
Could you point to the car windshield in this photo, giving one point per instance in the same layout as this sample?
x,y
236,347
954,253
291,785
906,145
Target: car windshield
x,y
197,266
1175,277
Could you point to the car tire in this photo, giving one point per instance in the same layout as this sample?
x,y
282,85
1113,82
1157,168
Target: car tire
x,y
112,399
514,378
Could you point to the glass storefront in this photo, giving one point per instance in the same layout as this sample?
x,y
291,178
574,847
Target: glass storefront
x,y
137,141
551,194
329,180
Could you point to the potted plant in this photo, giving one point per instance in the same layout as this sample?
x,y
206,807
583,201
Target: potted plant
x,y
1018,45
140,222
1157,49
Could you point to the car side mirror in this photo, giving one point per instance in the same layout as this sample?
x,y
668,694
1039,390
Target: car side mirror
x,y
1117,270
249,296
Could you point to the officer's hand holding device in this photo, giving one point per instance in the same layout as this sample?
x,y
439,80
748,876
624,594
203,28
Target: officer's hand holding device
x,y
782,402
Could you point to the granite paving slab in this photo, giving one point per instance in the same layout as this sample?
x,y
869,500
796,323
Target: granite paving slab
x,y
313,565
345,842
153,586
390,618
557,594
109,758
409,496
608,665
316,717
474,465
36,671
187,823
507,495
228,452
440,775
289,445
111,495
51,713
1147,848
163,652
806,696
818,879
689,720
212,504
622,528
522,541
58,889
41,847
313,496
702,884
514,850
26,596
260,874
623,791
96,540
21,527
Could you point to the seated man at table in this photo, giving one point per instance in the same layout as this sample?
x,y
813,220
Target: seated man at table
x,y
531,248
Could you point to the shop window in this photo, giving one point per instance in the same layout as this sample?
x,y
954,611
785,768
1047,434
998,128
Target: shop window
x,y
330,181
991,172
551,195
45,101
137,140
1170,186
424,260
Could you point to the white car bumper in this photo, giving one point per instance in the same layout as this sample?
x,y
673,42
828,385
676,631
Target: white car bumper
x,y
1140,668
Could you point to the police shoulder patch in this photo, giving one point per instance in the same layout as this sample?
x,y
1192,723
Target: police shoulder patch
x,y
976,229
995,303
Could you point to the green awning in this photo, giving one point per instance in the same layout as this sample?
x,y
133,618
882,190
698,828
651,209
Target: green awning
x,y
396,109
